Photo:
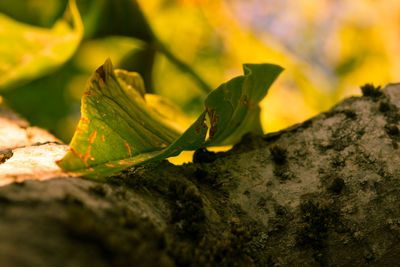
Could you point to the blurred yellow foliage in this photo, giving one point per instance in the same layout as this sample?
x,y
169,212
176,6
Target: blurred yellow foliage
x,y
328,48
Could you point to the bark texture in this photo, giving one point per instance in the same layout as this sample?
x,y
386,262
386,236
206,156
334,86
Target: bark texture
x,y
325,192
27,152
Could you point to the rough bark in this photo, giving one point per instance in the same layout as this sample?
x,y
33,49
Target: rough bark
x,y
325,192
27,152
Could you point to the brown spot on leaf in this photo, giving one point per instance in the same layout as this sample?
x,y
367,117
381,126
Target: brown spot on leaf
x,y
102,138
244,100
128,148
92,137
75,152
202,124
213,121
102,73
83,158
226,90
89,93
85,120
87,156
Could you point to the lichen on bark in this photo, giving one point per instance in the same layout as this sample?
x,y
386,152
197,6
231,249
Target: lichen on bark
x,y
320,193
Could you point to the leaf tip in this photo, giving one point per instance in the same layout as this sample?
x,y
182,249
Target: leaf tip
x,y
105,69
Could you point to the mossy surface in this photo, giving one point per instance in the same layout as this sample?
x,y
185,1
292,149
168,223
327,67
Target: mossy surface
x,y
317,218
369,90
321,193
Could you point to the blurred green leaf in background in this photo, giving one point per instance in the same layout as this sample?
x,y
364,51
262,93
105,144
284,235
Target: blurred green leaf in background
x,y
28,52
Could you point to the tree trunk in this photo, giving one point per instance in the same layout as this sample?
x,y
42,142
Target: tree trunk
x,y
325,192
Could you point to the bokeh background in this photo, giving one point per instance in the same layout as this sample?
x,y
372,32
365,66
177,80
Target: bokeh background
x,y
327,47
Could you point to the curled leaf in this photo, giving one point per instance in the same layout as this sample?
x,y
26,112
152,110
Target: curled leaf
x,y
121,126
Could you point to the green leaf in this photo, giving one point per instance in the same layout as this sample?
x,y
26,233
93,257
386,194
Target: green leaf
x,y
28,52
43,13
115,17
121,126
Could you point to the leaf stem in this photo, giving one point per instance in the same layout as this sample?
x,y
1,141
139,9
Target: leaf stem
x,y
182,66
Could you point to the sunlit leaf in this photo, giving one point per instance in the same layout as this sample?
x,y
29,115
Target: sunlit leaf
x,y
28,52
121,126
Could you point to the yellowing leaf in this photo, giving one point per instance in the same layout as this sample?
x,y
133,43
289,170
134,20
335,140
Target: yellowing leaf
x,y
120,127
